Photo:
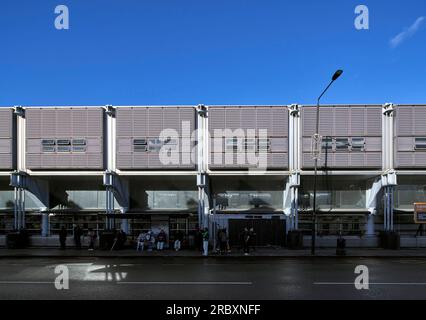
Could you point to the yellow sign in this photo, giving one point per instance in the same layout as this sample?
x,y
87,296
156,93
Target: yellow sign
x,y
420,213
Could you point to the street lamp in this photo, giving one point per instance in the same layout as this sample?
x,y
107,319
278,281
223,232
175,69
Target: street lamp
x,y
317,151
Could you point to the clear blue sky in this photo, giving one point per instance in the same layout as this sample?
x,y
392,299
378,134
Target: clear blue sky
x,y
209,51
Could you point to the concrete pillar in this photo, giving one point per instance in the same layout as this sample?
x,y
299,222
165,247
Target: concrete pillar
x,y
370,230
45,225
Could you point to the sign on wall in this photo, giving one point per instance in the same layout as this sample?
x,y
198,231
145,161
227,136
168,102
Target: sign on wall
x,y
420,213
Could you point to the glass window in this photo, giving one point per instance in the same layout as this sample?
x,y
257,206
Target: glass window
x,y
139,142
170,141
263,145
78,149
49,149
48,142
231,144
420,144
358,144
79,142
250,144
140,148
154,145
64,149
63,142
342,144
327,143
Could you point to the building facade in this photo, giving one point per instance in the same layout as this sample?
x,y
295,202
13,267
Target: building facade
x,y
180,168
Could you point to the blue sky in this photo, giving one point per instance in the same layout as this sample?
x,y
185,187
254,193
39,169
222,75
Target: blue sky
x,y
164,52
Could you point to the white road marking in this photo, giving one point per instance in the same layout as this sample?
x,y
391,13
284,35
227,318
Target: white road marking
x,y
187,283
372,283
27,282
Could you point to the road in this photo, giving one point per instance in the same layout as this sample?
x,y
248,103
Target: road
x,y
212,278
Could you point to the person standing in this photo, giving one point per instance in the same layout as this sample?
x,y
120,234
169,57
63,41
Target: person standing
x,y
205,235
178,241
223,241
161,239
77,236
246,241
63,237
92,237
140,241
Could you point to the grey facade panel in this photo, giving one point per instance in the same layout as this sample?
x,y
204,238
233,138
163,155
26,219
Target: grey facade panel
x,y
344,122
6,139
250,121
409,124
69,124
149,123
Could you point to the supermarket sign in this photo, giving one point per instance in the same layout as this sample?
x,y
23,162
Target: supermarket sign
x,y
420,213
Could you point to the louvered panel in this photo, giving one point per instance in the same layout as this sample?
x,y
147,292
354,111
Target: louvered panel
x,y
33,161
6,122
308,162
33,123
79,161
404,121
264,119
357,124
94,122
373,159
154,161
5,146
48,161
63,161
404,159
33,146
341,121
64,122
374,121
357,160
279,121
5,161
171,119
186,115
419,120
124,121
191,164
308,121
79,123
307,144
278,161
232,118
248,117
48,122
124,145
341,160
279,144
125,161
327,124
94,145
373,144
405,144
140,122
140,160
155,121
95,161
420,159
216,119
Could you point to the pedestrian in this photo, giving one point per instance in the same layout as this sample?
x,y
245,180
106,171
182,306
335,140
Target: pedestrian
x,y
92,238
223,241
149,240
63,237
246,241
198,239
161,239
252,241
205,235
77,236
178,241
140,241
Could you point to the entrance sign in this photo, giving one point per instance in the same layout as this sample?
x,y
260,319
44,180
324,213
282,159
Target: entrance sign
x,y
420,213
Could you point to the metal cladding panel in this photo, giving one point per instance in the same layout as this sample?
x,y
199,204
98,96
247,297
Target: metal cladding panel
x,y
373,121
6,136
342,121
64,123
373,144
373,159
148,123
410,123
358,122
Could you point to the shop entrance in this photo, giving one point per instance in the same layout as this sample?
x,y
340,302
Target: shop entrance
x,y
268,232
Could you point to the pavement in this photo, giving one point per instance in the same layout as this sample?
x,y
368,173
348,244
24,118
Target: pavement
x,y
94,278
270,252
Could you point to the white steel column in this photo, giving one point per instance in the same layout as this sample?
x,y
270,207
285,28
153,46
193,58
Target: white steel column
x,y
294,154
202,165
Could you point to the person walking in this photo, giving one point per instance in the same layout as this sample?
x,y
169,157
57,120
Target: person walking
x,y
63,237
178,241
223,241
92,238
161,239
205,235
246,241
77,236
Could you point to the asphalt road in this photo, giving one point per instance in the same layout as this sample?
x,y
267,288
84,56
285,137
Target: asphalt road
x,y
212,278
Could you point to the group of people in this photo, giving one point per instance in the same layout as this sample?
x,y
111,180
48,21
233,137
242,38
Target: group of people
x,y
248,239
78,233
148,240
